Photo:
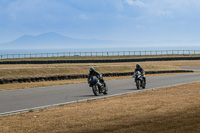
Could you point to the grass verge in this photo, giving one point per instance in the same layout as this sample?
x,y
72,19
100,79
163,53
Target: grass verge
x,y
169,109
40,70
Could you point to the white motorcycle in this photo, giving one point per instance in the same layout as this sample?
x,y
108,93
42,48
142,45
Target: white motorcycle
x,y
139,80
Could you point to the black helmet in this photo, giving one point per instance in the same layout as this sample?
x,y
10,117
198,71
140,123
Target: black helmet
x,y
91,69
138,65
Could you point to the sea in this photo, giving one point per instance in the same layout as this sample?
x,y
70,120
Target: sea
x,y
110,49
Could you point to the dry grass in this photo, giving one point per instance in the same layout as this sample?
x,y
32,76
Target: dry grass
x,y
27,70
165,110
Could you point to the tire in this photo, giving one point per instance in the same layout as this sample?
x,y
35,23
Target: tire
x,y
143,84
95,89
138,84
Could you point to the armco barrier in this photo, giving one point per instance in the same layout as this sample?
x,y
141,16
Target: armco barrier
x,y
67,77
100,61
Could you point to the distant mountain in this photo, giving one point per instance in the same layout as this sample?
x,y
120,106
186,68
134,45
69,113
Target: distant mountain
x,y
53,40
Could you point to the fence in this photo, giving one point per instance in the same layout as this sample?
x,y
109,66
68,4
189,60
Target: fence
x,y
109,53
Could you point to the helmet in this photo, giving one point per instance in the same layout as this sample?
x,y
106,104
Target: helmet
x,y
92,69
138,65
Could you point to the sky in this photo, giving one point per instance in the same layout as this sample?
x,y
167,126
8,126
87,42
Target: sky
x,y
145,22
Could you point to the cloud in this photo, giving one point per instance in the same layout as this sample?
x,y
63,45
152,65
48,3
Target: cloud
x,y
139,26
165,13
13,16
99,18
83,16
135,3
167,8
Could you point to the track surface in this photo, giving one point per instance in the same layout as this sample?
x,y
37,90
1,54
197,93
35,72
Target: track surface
x,y
191,68
25,99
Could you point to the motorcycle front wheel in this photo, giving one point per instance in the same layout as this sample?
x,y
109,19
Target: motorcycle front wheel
x,y
143,84
95,89
138,84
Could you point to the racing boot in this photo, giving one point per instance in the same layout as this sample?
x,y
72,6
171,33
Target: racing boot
x,y
105,89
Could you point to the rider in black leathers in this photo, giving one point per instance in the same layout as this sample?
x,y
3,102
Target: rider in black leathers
x,y
93,72
139,68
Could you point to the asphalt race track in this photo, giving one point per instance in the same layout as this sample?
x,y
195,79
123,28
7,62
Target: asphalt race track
x,y
25,99
191,68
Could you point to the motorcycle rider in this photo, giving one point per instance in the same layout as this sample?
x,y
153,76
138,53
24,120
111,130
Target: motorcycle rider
x,y
93,72
139,68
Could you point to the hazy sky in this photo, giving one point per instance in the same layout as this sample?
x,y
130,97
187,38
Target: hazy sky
x,y
159,22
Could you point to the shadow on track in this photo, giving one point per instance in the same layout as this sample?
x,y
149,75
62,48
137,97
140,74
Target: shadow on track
x,y
86,96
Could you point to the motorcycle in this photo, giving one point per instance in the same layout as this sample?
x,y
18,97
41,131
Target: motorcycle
x,y
139,80
97,86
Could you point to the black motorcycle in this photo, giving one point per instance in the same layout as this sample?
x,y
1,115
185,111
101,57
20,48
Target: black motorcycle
x,y
140,82
97,86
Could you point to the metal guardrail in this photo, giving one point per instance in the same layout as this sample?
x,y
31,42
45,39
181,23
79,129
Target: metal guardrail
x,y
109,53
